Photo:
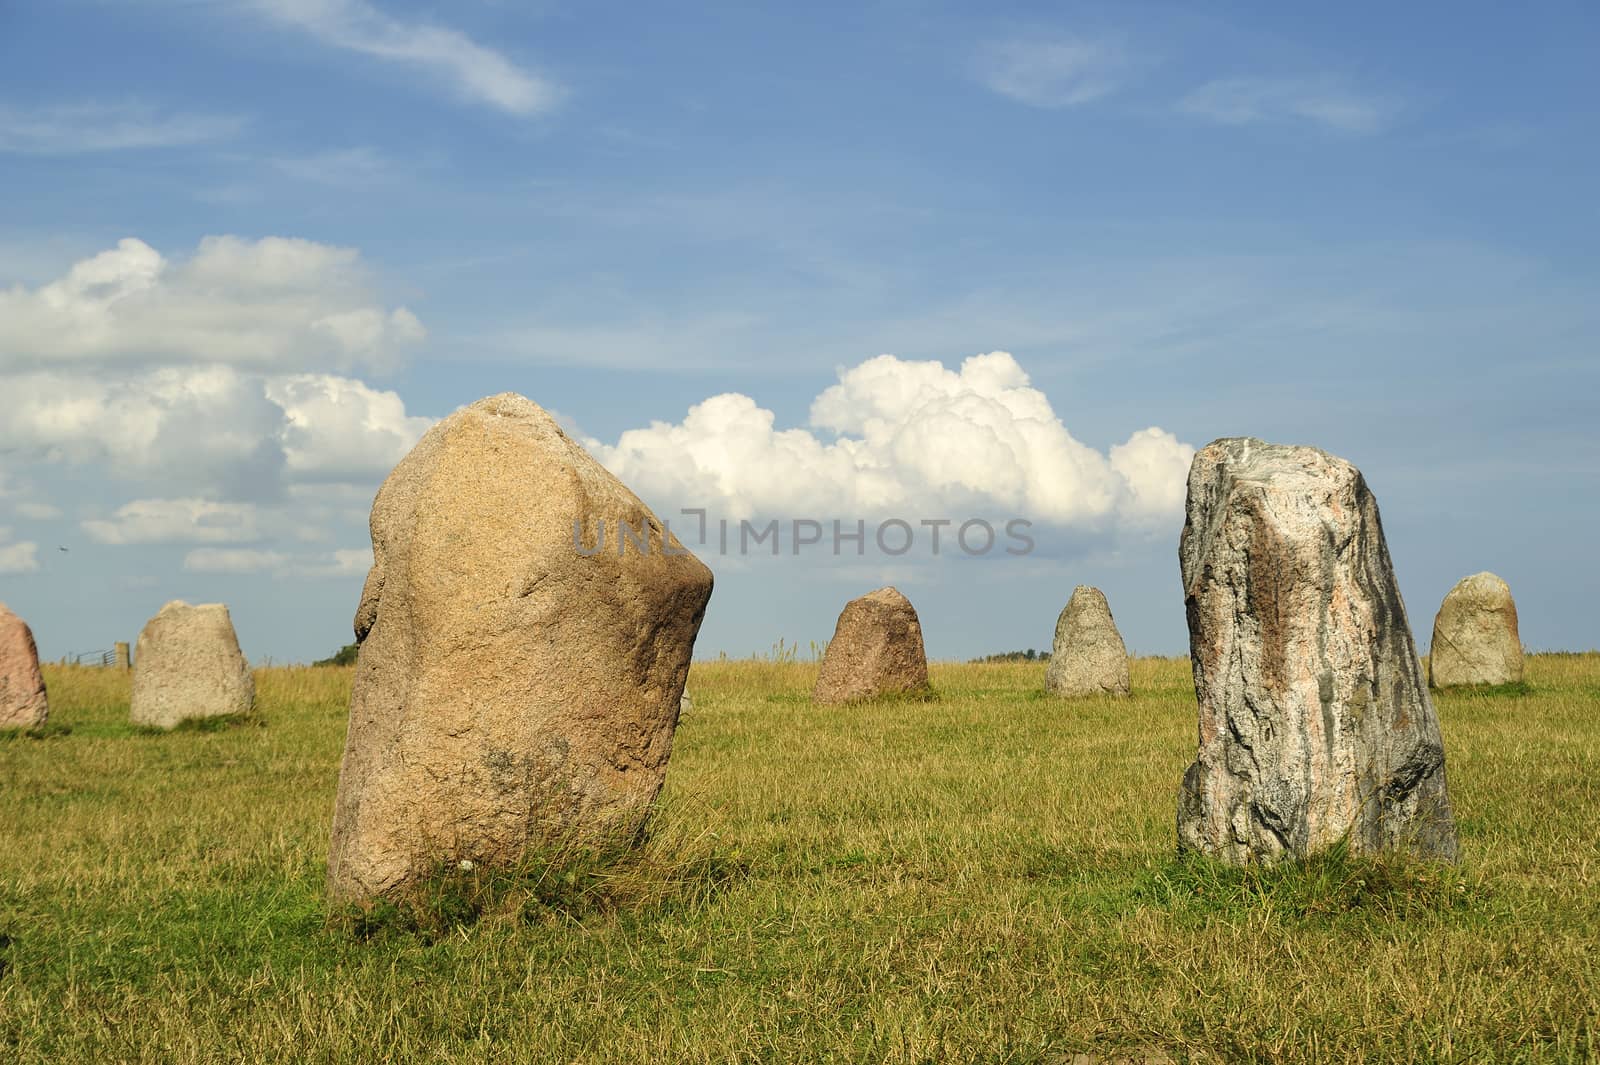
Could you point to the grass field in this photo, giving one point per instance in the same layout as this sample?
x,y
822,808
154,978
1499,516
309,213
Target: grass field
x,y
988,876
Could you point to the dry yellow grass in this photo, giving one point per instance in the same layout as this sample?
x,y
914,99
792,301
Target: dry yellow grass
x,y
989,876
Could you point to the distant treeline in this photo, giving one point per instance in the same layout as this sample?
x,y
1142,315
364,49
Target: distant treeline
x,y
345,656
1030,655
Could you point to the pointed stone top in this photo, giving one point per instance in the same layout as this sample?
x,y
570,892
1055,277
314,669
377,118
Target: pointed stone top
x,y
1087,656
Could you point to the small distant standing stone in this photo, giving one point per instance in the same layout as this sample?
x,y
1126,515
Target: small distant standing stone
x,y
124,659
1088,656
187,664
876,650
1315,722
1475,639
23,703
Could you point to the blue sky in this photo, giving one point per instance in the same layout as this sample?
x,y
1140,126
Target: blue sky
x,y
252,248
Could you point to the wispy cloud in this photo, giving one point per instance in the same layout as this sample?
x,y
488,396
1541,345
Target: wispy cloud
x,y
168,521
232,560
71,129
343,167
352,562
1058,71
478,73
1326,101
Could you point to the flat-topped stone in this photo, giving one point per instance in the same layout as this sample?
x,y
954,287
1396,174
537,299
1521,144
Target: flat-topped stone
x,y
187,665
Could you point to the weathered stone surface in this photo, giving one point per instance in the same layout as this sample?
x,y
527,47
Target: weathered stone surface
x,y
23,703
511,691
1475,639
876,650
1088,656
187,664
1315,721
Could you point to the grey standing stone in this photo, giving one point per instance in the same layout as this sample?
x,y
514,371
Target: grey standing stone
x,y
187,665
1088,656
1315,721
1475,638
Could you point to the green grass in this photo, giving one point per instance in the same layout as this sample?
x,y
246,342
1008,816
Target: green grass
x,y
987,876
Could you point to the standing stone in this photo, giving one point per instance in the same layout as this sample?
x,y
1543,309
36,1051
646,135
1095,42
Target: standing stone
x,y
23,703
124,659
1088,656
1315,723
1475,638
876,650
187,665
516,686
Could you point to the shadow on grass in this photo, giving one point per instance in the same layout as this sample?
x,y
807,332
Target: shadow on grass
x,y
1488,691
1331,885
562,883
217,723
920,695
48,730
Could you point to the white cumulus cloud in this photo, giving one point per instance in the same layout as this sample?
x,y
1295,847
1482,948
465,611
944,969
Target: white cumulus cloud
x,y
211,428
206,427
271,303
903,437
339,429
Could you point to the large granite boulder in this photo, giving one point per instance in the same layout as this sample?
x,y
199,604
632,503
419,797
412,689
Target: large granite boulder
x,y
516,688
23,703
187,665
1475,639
1315,721
876,650
1088,656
